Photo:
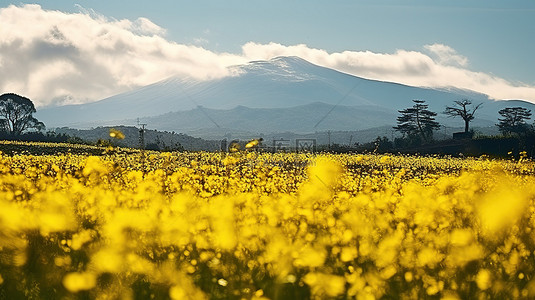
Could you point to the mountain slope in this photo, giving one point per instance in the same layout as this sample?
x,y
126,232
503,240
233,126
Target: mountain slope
x,y
284,94
306,118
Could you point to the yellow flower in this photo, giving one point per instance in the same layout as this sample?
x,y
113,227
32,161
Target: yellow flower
x,y
116,134
325,284
75,282
483,279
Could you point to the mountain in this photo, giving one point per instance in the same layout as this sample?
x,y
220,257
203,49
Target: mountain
x,y
282,94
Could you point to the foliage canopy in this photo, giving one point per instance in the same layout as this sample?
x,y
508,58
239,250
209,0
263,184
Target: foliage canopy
x,y
513,120
417,121
16,114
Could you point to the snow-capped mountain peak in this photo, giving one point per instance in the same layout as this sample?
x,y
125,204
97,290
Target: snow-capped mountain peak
x,y
271,87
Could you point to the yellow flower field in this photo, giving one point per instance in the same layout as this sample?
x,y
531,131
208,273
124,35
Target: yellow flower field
x,y
265,226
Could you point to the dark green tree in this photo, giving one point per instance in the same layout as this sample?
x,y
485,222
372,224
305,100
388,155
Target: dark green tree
x,y
464,110
417,121
513,120
16,114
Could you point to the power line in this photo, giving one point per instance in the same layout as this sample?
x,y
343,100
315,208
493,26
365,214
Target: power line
x,y
198,106
339,102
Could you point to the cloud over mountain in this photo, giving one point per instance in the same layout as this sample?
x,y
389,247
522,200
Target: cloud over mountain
x,y
443,67
55,57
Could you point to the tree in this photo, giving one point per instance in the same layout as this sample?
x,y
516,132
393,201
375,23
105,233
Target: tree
x,y
16,114
513,120
417,121
462,109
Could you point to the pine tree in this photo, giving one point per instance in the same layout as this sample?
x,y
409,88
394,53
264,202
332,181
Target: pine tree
x,y
513,120
417,121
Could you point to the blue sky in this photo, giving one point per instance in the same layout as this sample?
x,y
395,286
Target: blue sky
x,y
494,38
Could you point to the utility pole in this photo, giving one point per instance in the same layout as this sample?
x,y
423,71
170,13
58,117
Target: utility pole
x,y
141,135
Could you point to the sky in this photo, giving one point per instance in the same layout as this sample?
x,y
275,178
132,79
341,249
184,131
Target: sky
x,y
65,52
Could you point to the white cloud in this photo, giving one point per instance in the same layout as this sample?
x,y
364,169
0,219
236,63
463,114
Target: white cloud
x,y
57,58
145,27
447,55
201,41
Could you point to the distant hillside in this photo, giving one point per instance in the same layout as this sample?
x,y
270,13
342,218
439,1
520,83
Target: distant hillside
x,y
300,119
169,140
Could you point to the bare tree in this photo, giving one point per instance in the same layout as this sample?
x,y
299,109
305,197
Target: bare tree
x,y
462,109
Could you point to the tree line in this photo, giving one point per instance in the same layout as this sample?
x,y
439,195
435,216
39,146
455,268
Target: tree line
x,y
417,123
